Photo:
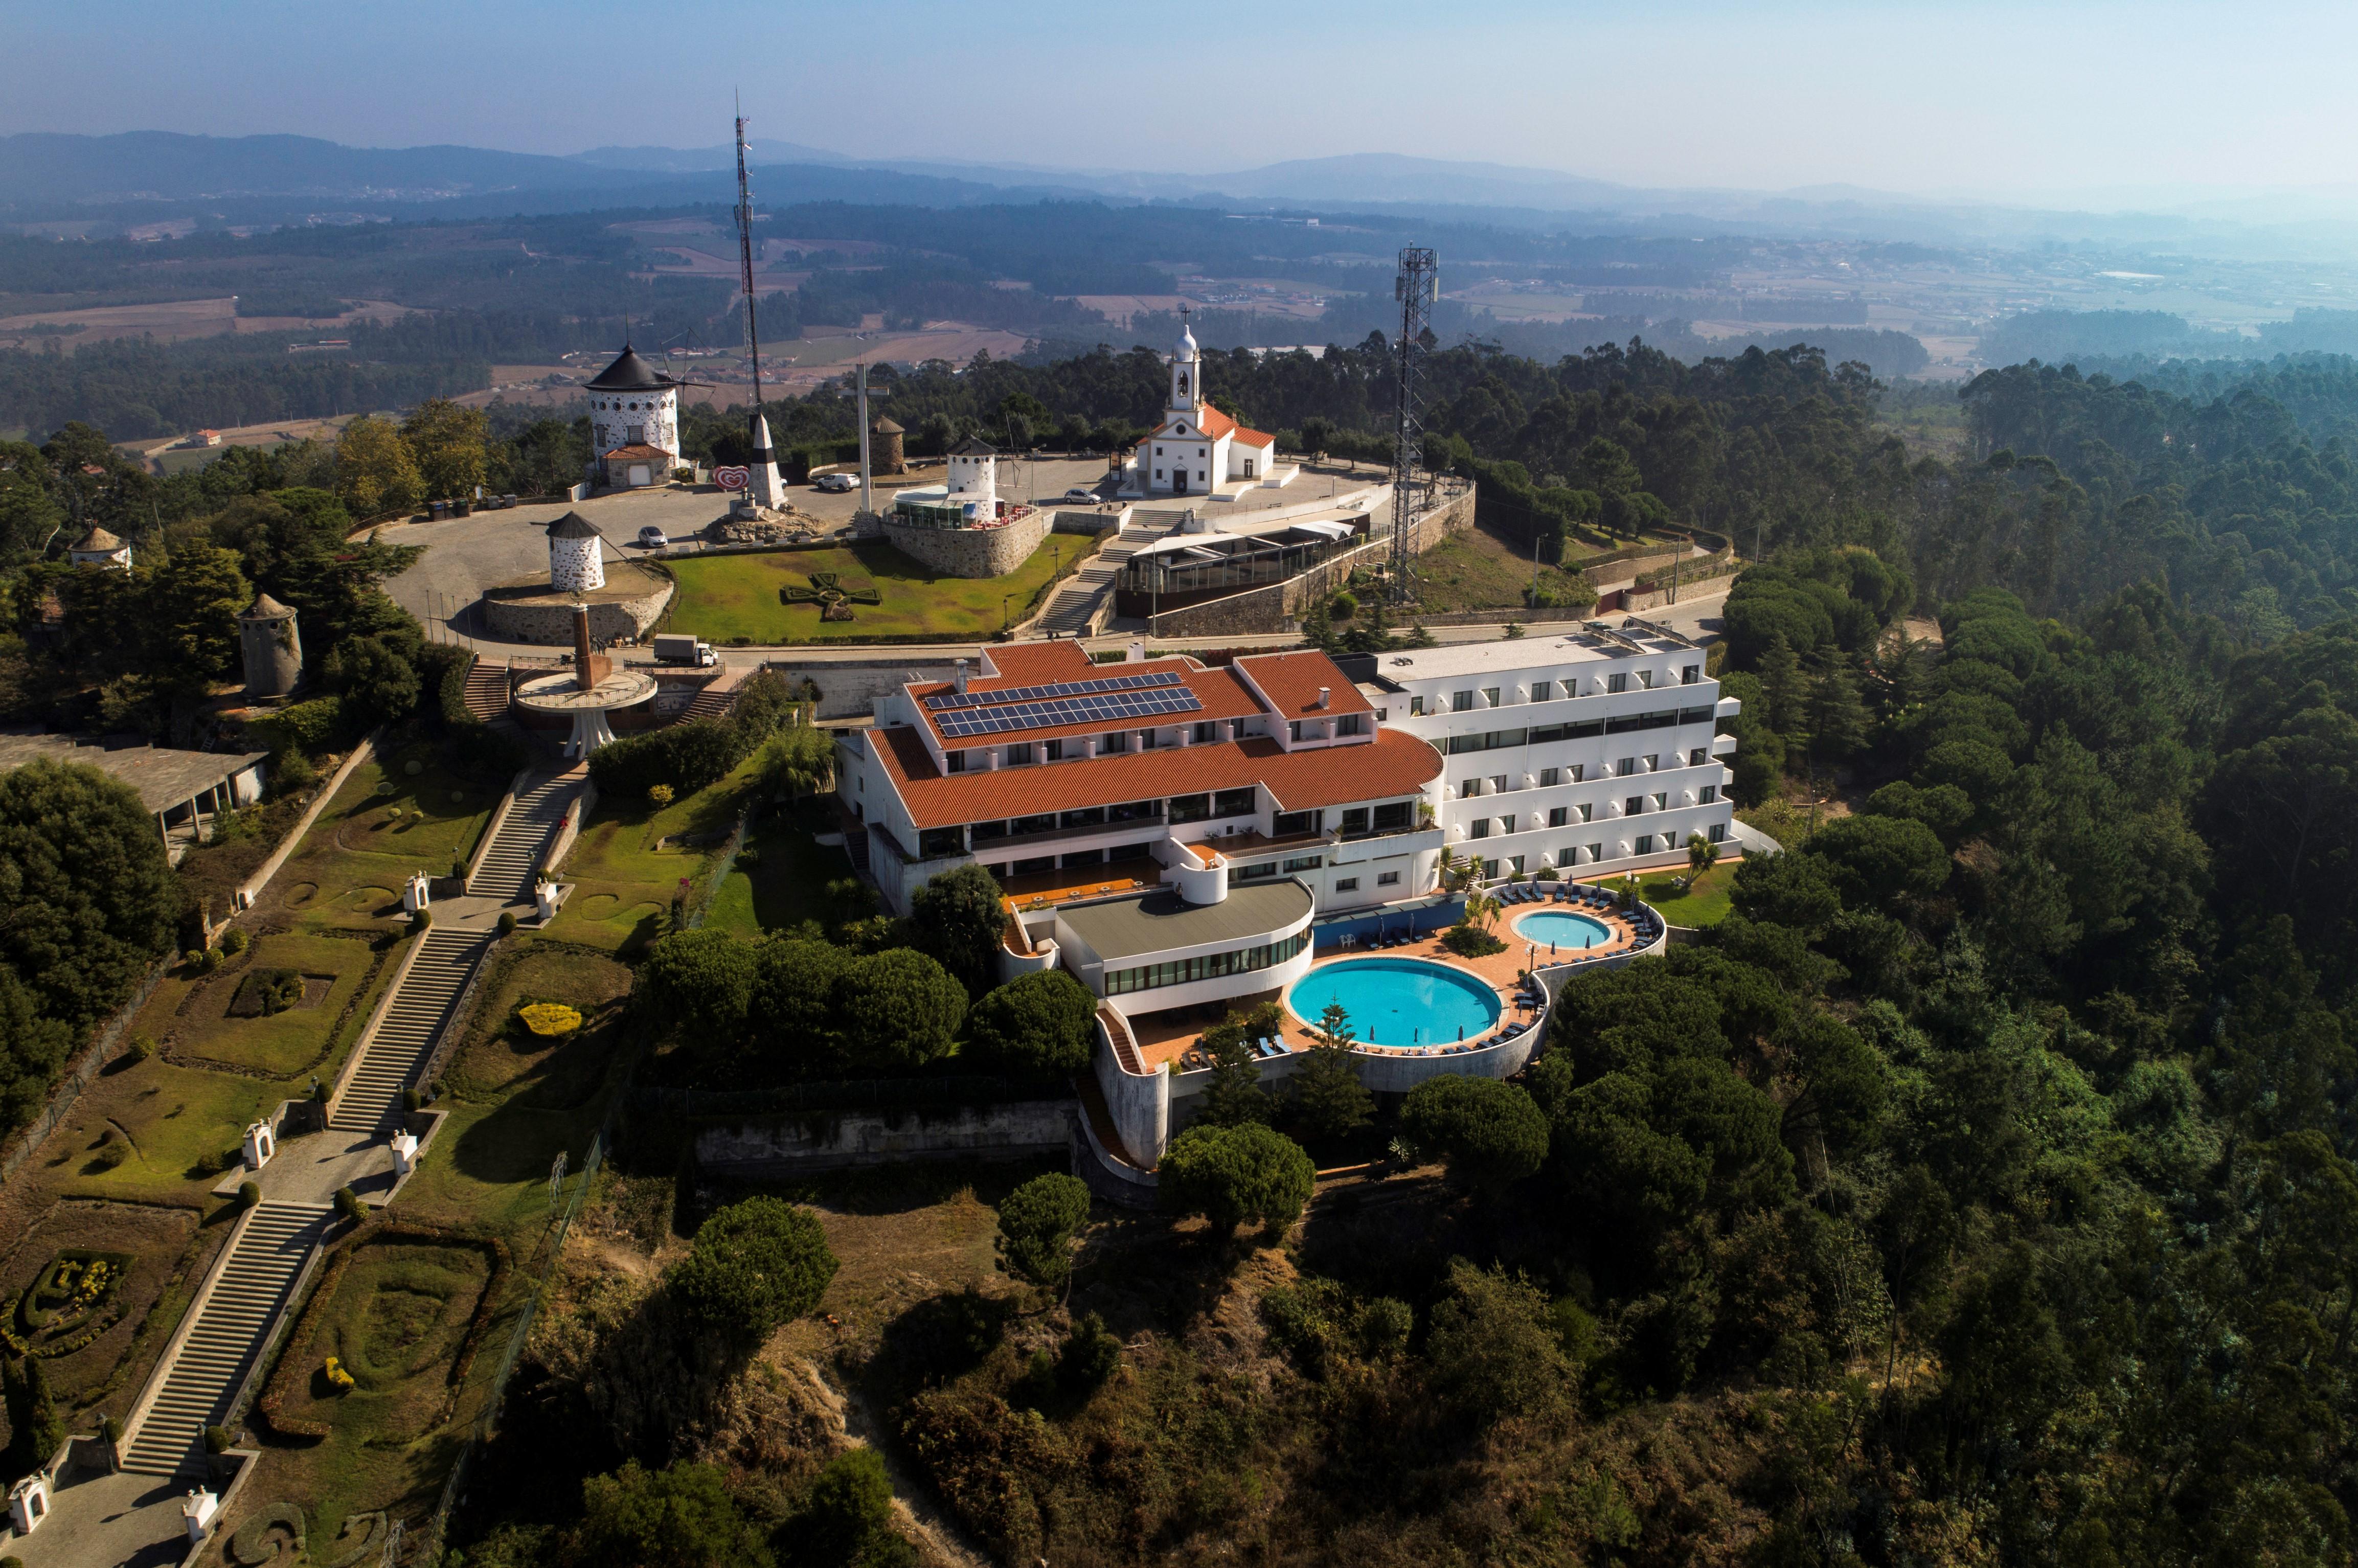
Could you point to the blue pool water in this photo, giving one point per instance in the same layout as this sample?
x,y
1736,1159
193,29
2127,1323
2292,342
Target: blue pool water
x,y
1563,928
1399,1002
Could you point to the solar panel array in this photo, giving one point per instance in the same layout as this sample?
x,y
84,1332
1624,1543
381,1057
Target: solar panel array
x,y
943,702
1099,707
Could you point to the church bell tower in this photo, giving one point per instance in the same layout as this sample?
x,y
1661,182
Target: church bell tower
x,y
1186,371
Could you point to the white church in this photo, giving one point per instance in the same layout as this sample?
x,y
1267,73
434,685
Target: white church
x,y
1197,449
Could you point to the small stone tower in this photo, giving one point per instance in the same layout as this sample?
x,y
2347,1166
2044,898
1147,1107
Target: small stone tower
x,y
884,451
575,562
99,548
273,649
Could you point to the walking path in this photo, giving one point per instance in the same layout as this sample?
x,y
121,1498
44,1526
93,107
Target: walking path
x,y
100,1520
1073,606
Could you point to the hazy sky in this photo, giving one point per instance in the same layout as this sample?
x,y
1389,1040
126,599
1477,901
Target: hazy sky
x,y
2001,100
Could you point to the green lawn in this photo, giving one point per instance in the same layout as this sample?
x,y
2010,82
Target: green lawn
x,y
621,883
302,1039
385,823
786,882
1478,570
725,596
1705,903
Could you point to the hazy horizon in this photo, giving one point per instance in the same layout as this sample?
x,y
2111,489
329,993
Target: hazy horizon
x,y
2104,106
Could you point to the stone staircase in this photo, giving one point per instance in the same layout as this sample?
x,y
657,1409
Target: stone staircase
x,y
404,1036
718,695
1072,611
195,1387
524,833
487,691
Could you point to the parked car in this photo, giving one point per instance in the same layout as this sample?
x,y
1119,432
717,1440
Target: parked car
x,y
651,538
835,483
1082,494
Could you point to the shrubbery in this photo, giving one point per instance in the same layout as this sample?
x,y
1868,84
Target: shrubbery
x,y
1230,1174
692,756
1486,1128
752,1266
1042,1023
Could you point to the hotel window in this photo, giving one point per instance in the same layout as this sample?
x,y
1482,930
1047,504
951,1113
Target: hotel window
x,y
1617,681
1653,761
1302,864
1634,806
1415,707
1717,833
1645,843
1233,803
1206,734
981,832
1498,783
1490,868
1661,801
1645,680
1294,728
1489,697
1690,673
1354,819
1148,739
1461,702
1388,878
1251,873
1285,823
955,762
1056,751
1596,852
1517,863
1348,724
1578,773
1479,829
935,843
1080,858
1392,817
1118,741
1342,884
1469,788
1697,757
1624,767
1708,795
1019,753
1507,825
1045,822
1551,777
1588,812
1036,863
1559,817
1190,807
1204,966
1543,691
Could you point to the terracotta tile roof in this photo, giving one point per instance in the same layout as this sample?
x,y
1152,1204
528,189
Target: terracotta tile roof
x,y
1395,763
1223,696
639,452
1291,682
1216,424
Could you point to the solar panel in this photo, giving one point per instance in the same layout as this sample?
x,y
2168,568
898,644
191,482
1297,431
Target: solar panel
x,y
1100,707
946,701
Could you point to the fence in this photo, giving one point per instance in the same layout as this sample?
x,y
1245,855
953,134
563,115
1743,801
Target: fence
x,y
489,1417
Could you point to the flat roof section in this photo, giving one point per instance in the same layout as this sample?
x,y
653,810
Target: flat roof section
x,y
1162,922
163,776
1529,652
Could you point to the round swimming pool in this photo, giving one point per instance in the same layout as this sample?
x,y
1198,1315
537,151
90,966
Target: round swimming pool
x,y
1398,1002
1562,929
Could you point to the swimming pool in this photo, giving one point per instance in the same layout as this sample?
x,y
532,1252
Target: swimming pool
x,y
1399,1002
1565,930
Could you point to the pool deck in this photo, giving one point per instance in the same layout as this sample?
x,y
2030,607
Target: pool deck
x,y
1164,1039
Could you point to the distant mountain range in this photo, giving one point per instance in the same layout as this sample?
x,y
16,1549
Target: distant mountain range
x,y
47,176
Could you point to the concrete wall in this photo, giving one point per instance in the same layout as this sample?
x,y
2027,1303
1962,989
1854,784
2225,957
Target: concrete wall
x,y
972,552
1275,607
611,620
821,1141
1140,1103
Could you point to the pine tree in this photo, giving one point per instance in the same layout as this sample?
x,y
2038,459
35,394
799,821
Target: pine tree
x,y
1838,720
1329,1098
1786,687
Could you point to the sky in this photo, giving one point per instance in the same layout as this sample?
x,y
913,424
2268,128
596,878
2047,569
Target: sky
x,y
2095,104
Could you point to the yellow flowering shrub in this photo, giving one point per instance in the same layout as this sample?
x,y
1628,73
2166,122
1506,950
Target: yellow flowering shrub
x,y
550,1019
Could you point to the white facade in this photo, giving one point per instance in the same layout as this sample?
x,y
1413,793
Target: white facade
x,y
974,481
1590,753
575,565
639,418
1196,448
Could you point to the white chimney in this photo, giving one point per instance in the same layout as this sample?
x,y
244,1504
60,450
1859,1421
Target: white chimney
x,y
1136,655
1324,695
957,681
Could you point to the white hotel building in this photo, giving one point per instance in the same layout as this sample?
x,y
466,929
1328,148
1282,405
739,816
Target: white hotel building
x,y
1593,753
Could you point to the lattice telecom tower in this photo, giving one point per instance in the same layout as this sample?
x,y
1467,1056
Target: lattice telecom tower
x,y
1417,286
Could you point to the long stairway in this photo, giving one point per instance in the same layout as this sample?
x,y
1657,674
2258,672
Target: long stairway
x,y
204,1375
421,1006
524,836
487,691
1077,599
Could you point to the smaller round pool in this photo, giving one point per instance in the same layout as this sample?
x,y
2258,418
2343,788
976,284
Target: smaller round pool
x,y
1562,929
1398,1002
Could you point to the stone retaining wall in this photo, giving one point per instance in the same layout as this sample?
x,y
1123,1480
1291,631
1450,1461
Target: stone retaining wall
x,y
542,619
972,552
1276,606
822,1141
